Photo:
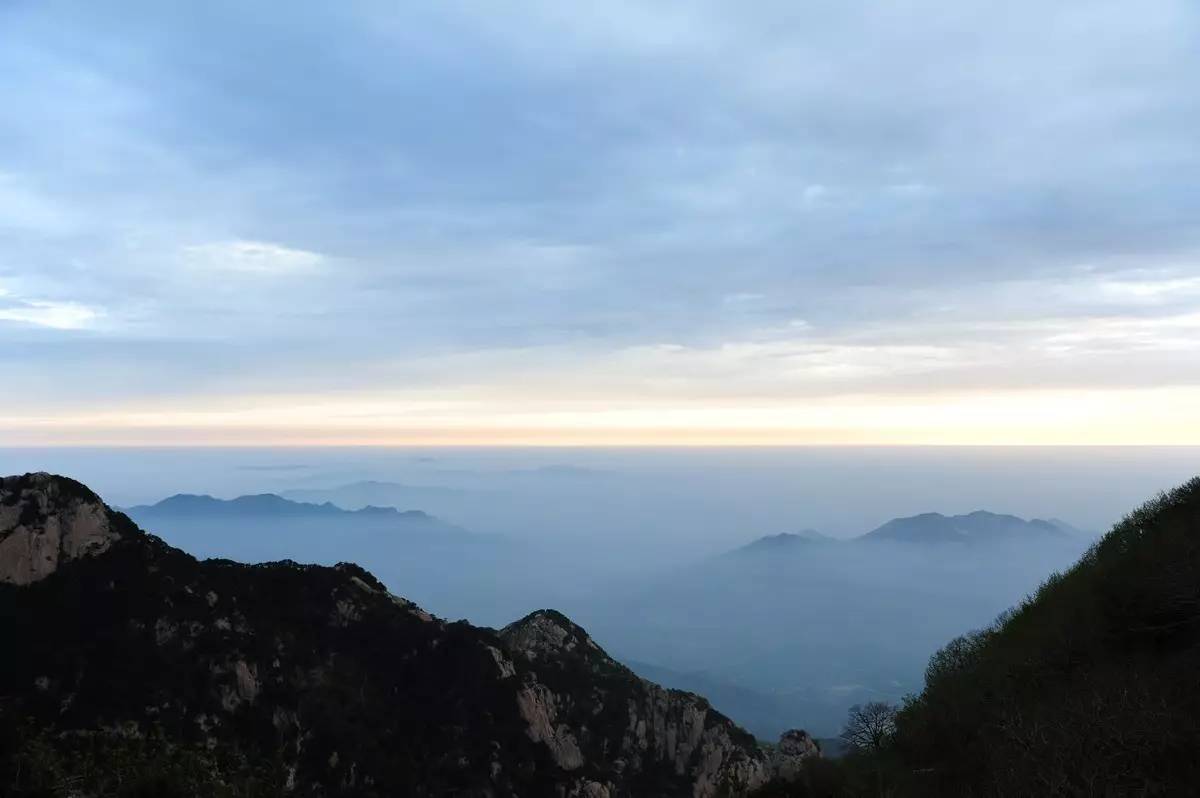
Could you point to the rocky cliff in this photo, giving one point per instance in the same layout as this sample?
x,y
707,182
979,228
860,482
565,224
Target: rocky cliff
x,y
46,521
285,678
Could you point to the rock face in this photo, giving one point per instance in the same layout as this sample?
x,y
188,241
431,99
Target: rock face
x,y
795,747
308,680
46,521
586,705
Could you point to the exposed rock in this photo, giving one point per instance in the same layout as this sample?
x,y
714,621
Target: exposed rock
x,y
46,521
639,725
539,708
590,789
795,747
503,664
247,681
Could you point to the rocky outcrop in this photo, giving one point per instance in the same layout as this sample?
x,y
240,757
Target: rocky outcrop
x,y
646,728
794,749
46,521
308,680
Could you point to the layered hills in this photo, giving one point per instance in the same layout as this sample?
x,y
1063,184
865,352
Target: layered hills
x,y
131,662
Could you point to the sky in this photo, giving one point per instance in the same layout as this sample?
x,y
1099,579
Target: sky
x,y
934,221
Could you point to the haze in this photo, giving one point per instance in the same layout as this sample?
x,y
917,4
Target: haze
x,y
638,545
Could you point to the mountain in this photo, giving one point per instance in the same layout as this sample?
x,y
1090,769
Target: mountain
x,y
977,527
265,505
1089,687
268,527
366,493
785,541
132,666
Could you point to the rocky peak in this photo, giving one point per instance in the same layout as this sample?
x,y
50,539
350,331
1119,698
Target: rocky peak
x,y
675,731
795,746
47,520
548,634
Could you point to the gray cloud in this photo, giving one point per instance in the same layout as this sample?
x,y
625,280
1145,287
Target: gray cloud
x,y
220,198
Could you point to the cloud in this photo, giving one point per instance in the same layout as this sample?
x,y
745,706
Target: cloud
x,y
680,200
1149,290
53,315
250,257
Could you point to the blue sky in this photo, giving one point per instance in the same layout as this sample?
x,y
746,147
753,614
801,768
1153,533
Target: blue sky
x,y
463,222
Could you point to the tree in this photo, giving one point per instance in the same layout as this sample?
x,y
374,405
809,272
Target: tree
x,y
871,727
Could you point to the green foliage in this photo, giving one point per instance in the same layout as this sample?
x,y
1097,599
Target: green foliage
x,y
1087,687
35,763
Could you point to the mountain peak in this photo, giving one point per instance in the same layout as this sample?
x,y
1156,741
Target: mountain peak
x,y
978,526
785,541
548,633
47,520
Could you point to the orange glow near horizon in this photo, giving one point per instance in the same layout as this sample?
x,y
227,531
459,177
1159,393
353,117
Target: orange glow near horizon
x,y
1163,416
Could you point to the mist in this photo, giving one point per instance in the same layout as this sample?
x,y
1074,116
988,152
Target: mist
x,y
642,546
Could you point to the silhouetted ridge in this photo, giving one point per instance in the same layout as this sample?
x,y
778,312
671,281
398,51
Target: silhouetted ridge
x,y
979,526
785,541
269,505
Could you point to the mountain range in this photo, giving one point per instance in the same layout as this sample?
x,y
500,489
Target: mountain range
x,y
978,527
132,665
264,505
365,493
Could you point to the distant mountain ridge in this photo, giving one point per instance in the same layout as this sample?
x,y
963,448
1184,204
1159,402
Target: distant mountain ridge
x,y
265,527
979,526
785,541
264,505
371,492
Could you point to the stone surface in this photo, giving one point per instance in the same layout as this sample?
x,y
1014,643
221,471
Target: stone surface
x,y
47,521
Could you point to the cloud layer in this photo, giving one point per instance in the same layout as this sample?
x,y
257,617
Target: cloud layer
x,y
644,205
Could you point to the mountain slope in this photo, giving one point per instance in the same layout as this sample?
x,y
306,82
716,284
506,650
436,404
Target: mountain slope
x,y
284,678
1087,688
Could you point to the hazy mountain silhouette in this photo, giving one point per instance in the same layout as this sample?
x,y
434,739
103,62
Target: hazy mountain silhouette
x,y
784,542
977,527
264,505
365,493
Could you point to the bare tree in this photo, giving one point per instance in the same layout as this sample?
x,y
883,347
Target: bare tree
x,y
870,727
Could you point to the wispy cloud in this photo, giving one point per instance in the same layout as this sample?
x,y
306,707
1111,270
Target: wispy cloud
x,y
682,202
250,257
54,315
